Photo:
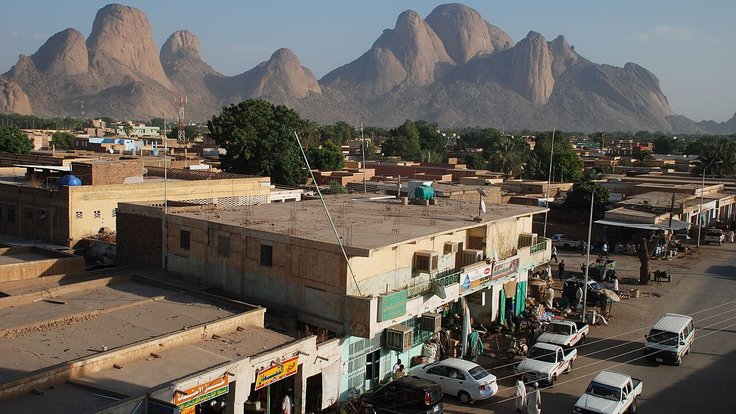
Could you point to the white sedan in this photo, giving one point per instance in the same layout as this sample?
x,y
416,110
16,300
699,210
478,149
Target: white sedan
x,y
464,379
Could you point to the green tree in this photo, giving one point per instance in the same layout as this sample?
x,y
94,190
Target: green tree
x,y
128,130
567,165
337,188
718,158
62,139
508,154
12,139
430,138
478,138
404,142
694,148
642,156
327,158
664,144
476,161
579,198
259,139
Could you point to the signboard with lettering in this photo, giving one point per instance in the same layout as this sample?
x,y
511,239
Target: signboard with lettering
x,y
201,393
277,372
392,305
505,268
476,277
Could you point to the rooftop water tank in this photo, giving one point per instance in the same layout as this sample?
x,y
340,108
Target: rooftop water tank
x,y
424,192
69,180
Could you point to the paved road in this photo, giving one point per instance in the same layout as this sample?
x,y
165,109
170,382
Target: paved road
x,y
704,286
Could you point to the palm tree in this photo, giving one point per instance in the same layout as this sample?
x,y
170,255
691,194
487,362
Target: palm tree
x,y
508,154
720,158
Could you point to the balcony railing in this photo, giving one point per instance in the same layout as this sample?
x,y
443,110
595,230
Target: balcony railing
x,y
539,247
425,286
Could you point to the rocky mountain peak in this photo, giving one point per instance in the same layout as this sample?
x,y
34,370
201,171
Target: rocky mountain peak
x,y
531,68
13,99
282,74
464,33
63,53
182,44
121,44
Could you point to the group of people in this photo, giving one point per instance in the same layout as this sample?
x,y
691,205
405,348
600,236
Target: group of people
x,y
531,401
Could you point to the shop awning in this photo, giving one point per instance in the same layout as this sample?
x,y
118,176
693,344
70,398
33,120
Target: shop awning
x,y
676,225
640,226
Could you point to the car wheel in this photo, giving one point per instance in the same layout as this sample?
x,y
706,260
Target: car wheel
x,y
582,340
552,380
678,361
633,407
687,352
464,397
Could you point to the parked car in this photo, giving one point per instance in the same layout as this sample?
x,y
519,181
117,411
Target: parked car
x,y
570,287
714,236
545,362
562,241
406,395
564,333
464,379
670,338
610,393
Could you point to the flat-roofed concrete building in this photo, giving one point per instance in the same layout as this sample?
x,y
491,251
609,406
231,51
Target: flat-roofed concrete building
x,y
119,341
33,206
402,264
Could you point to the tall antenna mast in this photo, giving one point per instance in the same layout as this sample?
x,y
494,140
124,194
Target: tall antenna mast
x,y
181,138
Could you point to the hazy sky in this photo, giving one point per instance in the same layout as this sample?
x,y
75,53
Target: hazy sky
x,y
690,46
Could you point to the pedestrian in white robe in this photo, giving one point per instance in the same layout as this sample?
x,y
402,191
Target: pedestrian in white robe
x,y
520,395
534,402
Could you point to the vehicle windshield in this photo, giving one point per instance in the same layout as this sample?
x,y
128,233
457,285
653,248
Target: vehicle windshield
x,y
478,372
560,329
662,337
544,355
604,391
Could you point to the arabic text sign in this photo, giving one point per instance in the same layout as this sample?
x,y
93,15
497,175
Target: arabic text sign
x,y
202,392
277,372
505,267
476,277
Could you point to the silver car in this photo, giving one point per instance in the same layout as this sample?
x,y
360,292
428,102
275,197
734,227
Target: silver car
x,y
464,379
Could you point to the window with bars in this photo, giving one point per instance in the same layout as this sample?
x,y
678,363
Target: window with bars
x,y
266,255
223,246
28,213
11,215
184,236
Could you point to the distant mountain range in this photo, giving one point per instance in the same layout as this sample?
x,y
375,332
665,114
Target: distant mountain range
x,y
453,68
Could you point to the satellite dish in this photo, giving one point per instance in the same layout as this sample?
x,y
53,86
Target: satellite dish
x,y
482,192
439,290
483,206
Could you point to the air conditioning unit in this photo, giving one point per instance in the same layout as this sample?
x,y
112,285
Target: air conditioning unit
x,y
431,322
471,256
451,247
426,261
399,337
527,239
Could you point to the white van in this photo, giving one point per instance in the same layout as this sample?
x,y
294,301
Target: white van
x,y
670,338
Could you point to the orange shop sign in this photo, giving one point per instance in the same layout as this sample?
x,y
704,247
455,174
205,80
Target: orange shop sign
x,y
202,392
276,372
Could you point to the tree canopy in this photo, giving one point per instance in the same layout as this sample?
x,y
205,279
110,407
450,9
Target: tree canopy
x,y
62,139
12,139
259,139
718,159
326,158
404,142
566,164
579,198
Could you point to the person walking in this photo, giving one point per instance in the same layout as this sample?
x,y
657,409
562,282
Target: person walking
x,y
286,403
400,373
554,254
604,250
561,270
578,296
548,272
520,401
534,401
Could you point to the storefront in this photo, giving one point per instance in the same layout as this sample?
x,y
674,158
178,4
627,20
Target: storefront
x,y
211,397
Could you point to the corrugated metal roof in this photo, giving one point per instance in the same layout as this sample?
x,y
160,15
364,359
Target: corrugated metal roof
x,y
672,322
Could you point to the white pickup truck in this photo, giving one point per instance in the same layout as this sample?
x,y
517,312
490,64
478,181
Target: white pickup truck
x,y
565,333
545,362
561,241
610,393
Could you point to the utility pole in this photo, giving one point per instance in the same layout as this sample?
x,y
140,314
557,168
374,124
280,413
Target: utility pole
x,y
181,136
362,144
549,183
587,257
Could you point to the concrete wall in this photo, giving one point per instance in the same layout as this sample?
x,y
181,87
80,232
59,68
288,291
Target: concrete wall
x,y
30,267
